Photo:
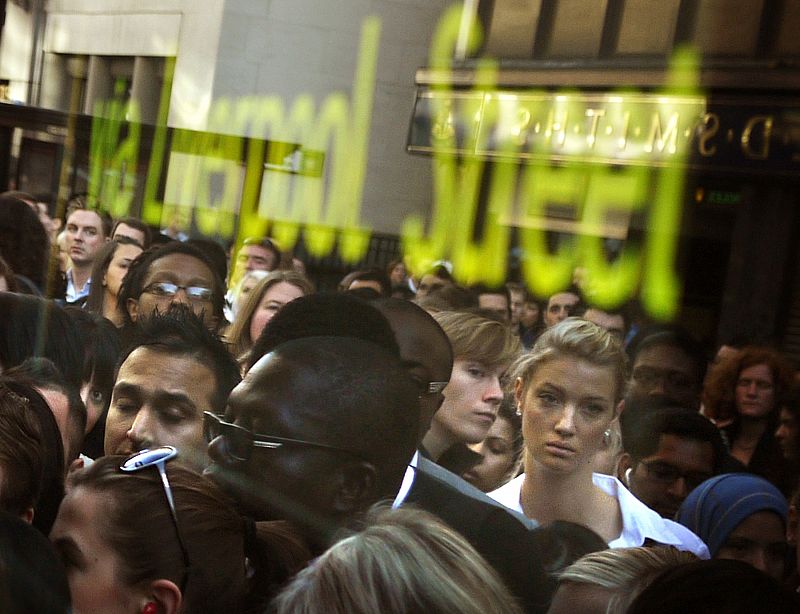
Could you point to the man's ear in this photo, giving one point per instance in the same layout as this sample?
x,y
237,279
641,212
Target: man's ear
x,y
355,486
165,595
133,308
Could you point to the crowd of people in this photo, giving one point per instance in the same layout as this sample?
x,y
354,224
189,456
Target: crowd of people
x,y
184,429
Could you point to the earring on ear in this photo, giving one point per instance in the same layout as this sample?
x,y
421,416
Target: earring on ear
x,y
606,437
150,608
519,409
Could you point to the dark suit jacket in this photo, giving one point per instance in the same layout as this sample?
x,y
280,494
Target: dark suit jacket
x,y
506,540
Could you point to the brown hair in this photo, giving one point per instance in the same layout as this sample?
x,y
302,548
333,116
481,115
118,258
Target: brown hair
x,y
139,528
239,335
21,453
719,392
475,337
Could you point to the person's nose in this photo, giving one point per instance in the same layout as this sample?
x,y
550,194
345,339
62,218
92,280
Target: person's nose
x,y
780,432
181,297
752,389
678,489
494,392
140,432
566,421
758,559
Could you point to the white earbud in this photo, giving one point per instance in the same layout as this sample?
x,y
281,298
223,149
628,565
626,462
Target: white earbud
x,y
628,476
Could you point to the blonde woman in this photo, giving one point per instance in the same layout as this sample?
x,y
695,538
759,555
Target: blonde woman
x,y
404,561
567,390
265,300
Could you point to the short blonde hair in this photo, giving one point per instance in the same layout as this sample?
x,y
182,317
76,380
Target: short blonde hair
x,y
475,337
406,560
577,338
625,572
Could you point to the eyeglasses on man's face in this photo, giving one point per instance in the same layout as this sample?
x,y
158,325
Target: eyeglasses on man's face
x,y
668,474
165,289
239,441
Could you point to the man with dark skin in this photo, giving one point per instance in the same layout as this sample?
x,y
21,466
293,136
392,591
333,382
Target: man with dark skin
x,y
347,407
666,363
503,538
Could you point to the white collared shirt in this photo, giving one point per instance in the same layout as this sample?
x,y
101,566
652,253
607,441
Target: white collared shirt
x,y
408,481
73,294
639,522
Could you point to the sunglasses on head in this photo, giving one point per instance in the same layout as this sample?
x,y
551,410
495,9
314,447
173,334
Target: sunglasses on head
x,y
158,457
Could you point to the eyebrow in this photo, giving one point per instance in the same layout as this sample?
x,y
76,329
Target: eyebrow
x,y
160,397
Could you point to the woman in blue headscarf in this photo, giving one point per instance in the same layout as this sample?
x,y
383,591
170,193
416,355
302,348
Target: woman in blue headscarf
x,y
739,516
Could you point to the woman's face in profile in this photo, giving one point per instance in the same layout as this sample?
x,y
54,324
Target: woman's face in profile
x,y
567,405
497,457
94,569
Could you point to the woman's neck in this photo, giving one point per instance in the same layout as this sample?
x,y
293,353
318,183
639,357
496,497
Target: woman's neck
x,y
547,497
751,430
110,310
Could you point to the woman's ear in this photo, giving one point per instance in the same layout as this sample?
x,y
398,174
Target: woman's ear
x,y
133,309
166,597
519,390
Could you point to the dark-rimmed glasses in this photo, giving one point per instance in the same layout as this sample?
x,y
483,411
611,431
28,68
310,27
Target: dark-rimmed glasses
x,y
158,457
239,441
669,474
167,289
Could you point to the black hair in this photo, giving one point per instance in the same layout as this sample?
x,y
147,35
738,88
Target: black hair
x,y
94,302
643,423
718,585
215,253
674,336
133,284
24,243
52,491
136,224
325,315
179,332
373,274
103,348
32,326
360,395
33,578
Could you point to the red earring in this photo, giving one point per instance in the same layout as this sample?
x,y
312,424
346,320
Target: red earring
x,y
150,608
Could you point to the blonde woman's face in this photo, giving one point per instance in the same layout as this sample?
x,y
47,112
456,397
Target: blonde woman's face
x,y
276,296
567,405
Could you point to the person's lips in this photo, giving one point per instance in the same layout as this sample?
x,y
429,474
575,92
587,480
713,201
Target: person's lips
x,y
485,417
560,449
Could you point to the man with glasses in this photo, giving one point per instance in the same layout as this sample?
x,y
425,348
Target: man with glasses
x,y
174,371
319,429
667,452
174,273
667,364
